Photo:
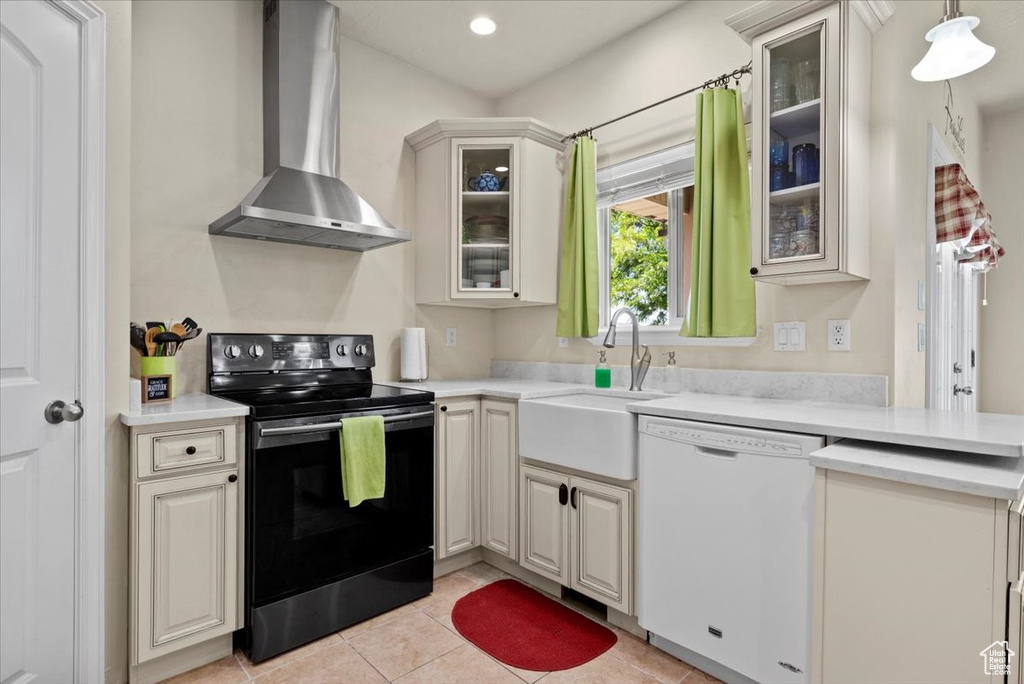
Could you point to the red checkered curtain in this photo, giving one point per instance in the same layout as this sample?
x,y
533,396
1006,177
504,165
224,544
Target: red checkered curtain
x,y
961,219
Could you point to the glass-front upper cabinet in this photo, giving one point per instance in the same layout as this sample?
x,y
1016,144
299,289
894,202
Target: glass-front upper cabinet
x,y
486,218
488,204
806,117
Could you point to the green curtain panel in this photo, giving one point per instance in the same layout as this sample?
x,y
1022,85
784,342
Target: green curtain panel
x,y
577,284
721,300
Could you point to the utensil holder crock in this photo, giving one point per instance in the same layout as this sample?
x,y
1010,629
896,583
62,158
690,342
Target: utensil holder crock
x,y
161,365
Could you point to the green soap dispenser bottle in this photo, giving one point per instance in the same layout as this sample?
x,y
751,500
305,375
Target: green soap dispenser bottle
x,y
603,372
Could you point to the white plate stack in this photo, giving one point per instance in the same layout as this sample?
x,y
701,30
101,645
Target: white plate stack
x,y
414,354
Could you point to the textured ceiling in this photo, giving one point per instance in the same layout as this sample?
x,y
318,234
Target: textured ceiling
x,y
534,37
999,85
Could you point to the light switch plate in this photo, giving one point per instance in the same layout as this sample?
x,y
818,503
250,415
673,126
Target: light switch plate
x,y
452,337
839,334
790,336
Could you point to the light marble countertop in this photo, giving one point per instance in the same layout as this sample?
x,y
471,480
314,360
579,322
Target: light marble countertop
x,y
994,476
976,433
512,388
184,407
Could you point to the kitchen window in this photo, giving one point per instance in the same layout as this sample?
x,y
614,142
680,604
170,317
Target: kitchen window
x,y
645,223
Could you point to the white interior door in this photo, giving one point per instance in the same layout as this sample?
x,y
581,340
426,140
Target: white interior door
x,y
40,220
952,310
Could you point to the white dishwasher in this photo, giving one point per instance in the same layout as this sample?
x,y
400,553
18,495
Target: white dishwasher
x,y
724,547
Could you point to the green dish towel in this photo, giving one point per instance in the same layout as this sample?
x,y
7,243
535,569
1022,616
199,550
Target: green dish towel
x,y
362,459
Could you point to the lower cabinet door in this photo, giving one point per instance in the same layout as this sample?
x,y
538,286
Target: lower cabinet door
x,y
498,476
186,541
457,426
544,523
602,527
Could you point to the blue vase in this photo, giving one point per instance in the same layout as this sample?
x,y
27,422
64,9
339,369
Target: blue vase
x,y
805,163
778,153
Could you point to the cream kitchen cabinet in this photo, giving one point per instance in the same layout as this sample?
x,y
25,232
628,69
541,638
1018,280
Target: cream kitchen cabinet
x,y
457,428
810,168
578,532
487,212
950,561
185,546
476,455
544,523
499,457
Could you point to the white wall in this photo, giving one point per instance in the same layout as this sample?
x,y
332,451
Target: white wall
x,y
197,150
690,45
1001,348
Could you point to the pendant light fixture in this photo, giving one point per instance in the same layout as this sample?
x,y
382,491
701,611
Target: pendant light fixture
x,y
955,50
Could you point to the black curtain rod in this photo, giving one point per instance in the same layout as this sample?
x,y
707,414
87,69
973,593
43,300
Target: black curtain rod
x,y
722,80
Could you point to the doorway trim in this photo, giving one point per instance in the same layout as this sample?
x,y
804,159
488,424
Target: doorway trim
x,y
90,457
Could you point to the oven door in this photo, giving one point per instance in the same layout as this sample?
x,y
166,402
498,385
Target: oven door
x,y
302,532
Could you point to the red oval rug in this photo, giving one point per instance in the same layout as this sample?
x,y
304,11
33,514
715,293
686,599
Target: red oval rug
x,y
523,628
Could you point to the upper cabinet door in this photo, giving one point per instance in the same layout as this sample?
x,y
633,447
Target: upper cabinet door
x,y
809,218
797,139
486,230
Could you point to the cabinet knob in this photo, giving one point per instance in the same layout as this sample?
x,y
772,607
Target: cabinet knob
x,y
232,478
516,295
444,408
753,271
190,450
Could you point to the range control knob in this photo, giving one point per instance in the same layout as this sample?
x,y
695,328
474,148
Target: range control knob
x,y
361,350
342,350
255,351
232,351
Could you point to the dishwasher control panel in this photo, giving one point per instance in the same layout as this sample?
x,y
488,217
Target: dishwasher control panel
x,y
726,441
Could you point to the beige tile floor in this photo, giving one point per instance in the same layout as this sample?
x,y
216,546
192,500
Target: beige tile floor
x,y
417,644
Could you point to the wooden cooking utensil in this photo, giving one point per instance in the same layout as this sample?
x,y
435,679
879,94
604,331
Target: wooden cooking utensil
x,y
150,342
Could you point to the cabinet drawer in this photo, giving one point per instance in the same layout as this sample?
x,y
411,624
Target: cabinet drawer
x,y
172,451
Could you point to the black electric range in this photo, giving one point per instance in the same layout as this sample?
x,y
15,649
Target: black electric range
x,y
313,564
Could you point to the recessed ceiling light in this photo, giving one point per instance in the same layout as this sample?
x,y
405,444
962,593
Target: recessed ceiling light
x,y
482,26
501,169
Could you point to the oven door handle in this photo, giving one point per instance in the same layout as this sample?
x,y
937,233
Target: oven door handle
x,y
336,425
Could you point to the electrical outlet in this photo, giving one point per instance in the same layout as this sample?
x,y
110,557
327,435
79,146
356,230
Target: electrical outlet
x,y
839,334
790,337
563,342
452,339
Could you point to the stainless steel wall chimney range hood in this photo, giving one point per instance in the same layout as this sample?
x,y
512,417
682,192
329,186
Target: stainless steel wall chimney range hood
x,y
300,198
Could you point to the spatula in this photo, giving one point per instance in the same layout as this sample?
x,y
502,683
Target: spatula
x,y
151,347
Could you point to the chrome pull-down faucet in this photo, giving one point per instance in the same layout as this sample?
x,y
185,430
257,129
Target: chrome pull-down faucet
x,y
638,363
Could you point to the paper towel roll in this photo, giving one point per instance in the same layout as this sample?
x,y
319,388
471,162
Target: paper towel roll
x,y
414,354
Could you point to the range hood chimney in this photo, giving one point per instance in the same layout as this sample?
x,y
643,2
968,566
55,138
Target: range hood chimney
x,y
300,198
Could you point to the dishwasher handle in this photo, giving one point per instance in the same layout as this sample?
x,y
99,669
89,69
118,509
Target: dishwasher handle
x,y
720,454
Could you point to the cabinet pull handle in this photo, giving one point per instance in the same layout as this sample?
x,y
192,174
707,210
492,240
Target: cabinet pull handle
x,y
563,494
444,408
572,497
232,478
190,450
